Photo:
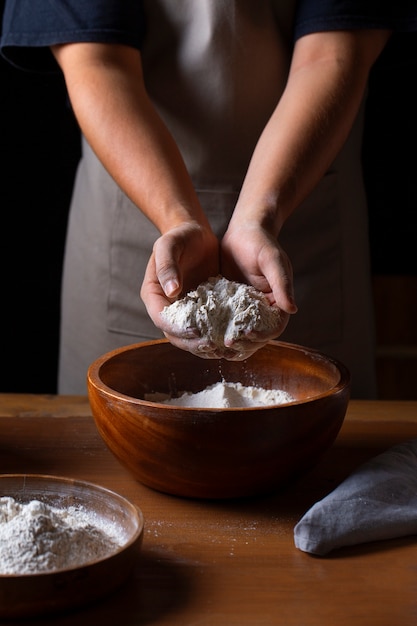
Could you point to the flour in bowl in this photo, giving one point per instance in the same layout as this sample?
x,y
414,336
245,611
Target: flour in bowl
x,y
36,537
227,395
223,310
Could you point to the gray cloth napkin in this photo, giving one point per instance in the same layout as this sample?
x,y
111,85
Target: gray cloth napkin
x,y
377,501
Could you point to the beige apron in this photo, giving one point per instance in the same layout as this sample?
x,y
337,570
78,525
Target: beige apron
x,y
215,71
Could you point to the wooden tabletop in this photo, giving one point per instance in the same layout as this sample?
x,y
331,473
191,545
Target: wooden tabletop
x,y
207,563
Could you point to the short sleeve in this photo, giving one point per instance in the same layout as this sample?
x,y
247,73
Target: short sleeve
x,y
325,15
29,27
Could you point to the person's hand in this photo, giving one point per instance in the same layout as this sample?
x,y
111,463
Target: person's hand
x,y
182,258
249,254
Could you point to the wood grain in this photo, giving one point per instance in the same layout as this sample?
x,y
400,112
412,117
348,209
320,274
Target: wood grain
x,y
228,563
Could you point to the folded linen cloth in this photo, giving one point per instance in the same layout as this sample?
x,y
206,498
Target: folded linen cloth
x,y
377,501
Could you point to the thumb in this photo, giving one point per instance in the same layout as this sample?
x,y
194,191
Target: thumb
x,y
167,268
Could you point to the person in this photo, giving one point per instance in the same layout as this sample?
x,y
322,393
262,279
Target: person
x,y
219,137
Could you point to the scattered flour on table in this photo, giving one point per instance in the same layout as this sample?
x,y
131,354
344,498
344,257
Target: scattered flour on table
x,y
227,395
223,310
36,537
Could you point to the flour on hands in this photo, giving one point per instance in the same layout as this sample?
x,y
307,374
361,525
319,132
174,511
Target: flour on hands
x,y
226,315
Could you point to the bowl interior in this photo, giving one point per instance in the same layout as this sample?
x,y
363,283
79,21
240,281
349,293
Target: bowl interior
x,y
160,367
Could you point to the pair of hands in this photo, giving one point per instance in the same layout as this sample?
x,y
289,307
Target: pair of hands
x,y
310,123
189,254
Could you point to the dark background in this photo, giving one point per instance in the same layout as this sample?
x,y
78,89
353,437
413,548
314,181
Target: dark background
x,y
40,149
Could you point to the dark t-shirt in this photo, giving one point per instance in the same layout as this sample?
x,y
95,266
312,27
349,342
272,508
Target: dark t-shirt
x,y
29,28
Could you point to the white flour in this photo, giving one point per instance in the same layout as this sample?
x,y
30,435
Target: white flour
x,y
227,395
222,310
36,537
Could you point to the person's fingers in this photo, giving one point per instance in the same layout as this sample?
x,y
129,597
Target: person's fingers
x,y
254,256
167,251
152,293
277,269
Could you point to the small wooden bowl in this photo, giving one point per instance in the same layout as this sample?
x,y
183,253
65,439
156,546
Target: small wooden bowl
x,y
36,594
212,452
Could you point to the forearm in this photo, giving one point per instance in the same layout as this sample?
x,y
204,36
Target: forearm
x,y
326,85
107,92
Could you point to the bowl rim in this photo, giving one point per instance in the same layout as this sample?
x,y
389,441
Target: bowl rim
x,y
94,368
128,506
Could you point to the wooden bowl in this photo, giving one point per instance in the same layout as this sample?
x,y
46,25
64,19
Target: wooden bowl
x,y
216,452
36,594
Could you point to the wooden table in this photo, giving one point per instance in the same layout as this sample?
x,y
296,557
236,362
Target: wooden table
x,y
228,563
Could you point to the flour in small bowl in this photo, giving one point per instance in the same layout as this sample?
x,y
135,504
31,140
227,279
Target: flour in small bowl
x,y
36,537
223,310
227,395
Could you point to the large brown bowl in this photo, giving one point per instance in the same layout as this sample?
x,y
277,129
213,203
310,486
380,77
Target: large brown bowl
x,y
216,452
